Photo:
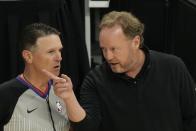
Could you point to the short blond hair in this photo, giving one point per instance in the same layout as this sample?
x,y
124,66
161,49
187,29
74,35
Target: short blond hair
x,y
130,25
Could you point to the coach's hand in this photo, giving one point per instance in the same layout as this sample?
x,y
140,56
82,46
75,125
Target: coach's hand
x,y
62,85
64,89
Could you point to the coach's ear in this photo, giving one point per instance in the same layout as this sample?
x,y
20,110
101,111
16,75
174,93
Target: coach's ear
x,y
136,41
27,56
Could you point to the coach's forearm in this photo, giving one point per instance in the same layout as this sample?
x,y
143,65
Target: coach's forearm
x,y
74,111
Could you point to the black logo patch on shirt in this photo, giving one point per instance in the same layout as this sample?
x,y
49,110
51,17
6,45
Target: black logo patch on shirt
x,y
29,111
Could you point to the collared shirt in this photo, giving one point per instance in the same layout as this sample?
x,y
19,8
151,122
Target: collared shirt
x,y
23,107
161,98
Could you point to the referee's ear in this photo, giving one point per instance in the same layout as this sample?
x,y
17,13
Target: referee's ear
x,y
27,56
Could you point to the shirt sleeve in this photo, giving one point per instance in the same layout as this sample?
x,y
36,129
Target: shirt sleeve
x,y
4,106
91,104
188,99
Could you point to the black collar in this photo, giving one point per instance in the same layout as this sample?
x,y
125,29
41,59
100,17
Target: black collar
x,y
143,70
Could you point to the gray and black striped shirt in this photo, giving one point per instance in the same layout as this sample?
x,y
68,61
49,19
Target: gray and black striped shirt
x,y
24,108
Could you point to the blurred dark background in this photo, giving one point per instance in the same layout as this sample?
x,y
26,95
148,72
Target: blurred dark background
x,y
170,26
